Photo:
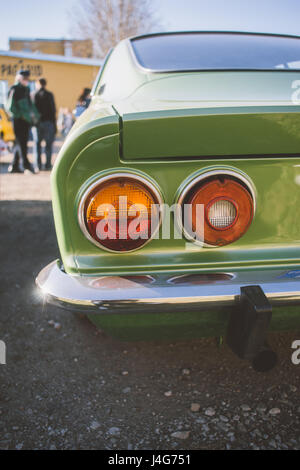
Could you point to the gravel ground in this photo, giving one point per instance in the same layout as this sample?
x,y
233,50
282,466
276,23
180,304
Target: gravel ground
x,y
67,385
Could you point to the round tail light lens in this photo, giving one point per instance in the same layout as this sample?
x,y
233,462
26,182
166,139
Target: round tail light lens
x,y
221,214
120,213
228,209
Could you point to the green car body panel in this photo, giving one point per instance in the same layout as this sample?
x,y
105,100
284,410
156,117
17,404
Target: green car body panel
x,y
170,127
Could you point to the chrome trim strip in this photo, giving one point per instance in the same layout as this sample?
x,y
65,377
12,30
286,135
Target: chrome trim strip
x,y
76,292
109,177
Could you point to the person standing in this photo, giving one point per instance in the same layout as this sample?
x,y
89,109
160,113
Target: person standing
x,y
46,129
83,102
24,115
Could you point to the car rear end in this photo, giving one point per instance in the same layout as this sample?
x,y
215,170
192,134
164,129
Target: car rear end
x,y
168,146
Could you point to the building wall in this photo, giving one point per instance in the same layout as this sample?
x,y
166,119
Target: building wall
x,y
67,47
82,48
65,80
44,47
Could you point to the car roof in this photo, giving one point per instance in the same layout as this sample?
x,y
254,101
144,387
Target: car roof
x,y
136,74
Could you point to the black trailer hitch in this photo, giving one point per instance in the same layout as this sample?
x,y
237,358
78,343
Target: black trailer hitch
x,y
248,327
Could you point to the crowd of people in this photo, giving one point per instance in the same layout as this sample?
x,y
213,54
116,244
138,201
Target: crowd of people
x,y
35,114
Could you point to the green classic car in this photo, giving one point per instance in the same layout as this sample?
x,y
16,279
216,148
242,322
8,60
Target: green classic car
x,y
175,195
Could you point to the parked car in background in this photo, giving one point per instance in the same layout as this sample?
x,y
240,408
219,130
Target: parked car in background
x,y
6,128
203,120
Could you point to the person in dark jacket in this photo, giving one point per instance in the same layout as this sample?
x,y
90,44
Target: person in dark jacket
x,y
46,130
24,115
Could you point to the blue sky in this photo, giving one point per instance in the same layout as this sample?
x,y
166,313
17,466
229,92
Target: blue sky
x,y
37,18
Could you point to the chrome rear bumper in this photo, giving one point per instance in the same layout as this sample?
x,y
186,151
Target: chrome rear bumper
x,y
117,295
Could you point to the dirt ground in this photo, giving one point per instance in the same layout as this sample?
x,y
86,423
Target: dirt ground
x,y
67,385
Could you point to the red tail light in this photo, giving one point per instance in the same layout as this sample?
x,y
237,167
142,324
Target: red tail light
x,y
228,209
120,212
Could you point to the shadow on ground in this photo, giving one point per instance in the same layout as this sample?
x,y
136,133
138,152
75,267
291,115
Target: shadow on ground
x,y
75,387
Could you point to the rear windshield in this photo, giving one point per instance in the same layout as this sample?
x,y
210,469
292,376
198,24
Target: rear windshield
x,y
216,51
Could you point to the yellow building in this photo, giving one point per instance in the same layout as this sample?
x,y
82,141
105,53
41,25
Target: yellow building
x,y
66,76
66,47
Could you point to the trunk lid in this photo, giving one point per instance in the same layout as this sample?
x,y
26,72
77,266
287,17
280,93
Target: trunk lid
x,y
211,114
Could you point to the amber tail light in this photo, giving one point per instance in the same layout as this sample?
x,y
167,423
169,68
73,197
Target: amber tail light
x,y
121,212
228,209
